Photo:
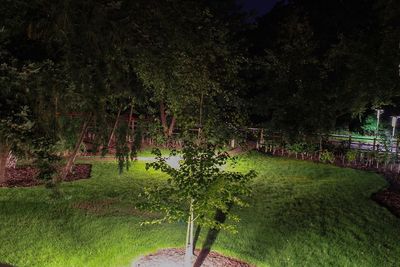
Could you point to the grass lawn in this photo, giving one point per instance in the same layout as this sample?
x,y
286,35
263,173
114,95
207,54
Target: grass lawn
x,y
146,152
301,214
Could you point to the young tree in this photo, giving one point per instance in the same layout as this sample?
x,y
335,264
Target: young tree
x,y
197,187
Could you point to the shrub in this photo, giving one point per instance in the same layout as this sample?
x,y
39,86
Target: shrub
x,y
351,155
327,157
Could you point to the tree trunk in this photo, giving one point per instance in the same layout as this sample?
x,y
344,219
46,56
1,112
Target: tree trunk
x,y
114,128
71,160
133,129
163,116
4,150
130,136
189,238
171,126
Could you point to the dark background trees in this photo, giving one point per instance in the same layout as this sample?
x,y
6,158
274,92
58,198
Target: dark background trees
x,y
97,58
304,67
317,65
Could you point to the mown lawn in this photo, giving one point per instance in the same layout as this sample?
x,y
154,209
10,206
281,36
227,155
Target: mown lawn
x,y
301,214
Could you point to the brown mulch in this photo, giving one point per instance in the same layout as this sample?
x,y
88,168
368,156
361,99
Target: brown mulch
x,y
174,257
26,176
389,199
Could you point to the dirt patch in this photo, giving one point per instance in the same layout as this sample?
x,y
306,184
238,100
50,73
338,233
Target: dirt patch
x,y
95,206
26,176
174,257
80,171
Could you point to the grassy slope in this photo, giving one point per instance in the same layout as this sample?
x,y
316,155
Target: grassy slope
x,y
301,214
305,214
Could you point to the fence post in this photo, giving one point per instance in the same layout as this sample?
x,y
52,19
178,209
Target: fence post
x,y
349,141
262,137
373,148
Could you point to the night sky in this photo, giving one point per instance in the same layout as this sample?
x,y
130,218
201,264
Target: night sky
x,y
260,7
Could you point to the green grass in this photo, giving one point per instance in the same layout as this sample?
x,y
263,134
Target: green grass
x,y
147,152
301,214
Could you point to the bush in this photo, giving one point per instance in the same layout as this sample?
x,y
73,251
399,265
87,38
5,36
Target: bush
x,y
327,157
351,155
297,147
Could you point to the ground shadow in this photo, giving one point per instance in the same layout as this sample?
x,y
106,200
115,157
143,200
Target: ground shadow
x,y
211,237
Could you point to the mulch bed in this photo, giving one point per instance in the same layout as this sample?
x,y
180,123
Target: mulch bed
x,y
174,257
390,197
25,176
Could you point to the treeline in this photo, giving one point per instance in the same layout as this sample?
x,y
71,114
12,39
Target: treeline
x,y
317,65
306,66
177,59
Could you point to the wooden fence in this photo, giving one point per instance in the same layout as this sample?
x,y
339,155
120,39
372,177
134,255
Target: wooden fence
x,y
361,143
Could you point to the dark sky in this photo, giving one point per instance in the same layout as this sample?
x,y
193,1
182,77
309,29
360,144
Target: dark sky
x,y
260,7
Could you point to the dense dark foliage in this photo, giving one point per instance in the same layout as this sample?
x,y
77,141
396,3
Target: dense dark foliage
x,y
317,64
305,67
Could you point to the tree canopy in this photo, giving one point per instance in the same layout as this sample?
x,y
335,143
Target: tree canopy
x,y
304,67
318,64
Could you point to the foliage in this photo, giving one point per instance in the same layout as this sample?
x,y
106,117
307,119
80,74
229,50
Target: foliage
x,y
153,130
369,125
15,129
199,179
297,147
327,156
302,147
293,73
351,155
316,65
46,160
123,151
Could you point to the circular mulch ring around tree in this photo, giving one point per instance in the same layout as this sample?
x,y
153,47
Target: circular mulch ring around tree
x,y
174,257
25,176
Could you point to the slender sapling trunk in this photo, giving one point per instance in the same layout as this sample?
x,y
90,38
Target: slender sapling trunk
x,y
71,160
189,238
114,128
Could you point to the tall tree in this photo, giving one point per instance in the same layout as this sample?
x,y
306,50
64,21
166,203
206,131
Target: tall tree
x,y
317,63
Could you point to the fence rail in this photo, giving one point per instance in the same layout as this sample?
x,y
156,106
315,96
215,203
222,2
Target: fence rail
x,y
366,143
361,143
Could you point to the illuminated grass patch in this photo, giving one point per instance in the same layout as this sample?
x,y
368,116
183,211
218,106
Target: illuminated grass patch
x,y
301,214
